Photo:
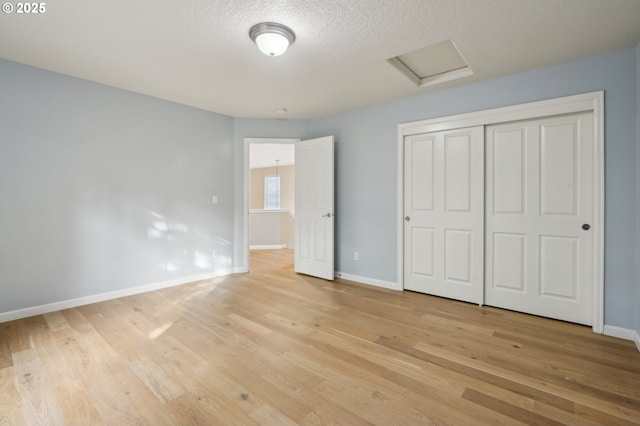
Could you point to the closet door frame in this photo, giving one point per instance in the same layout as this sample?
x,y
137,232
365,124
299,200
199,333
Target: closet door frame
x,y
593,101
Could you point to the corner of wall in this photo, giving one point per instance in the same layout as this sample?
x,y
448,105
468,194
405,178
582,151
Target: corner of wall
x,y
637,116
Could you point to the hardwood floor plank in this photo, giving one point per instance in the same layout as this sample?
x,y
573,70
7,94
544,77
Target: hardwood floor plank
x,y
163,387
569,394
11,406
338,371
77,321
12,417
251,326
75,404
109,328
375,404
36,390
577,353
208,392
6,360
507,409
56,321
17,335
121,397
326,413
574,418
621,390
292,408
83,351
349,331
447,400
229,397
267,415
170,352
200,409
479,374
602,417
50,354
570,372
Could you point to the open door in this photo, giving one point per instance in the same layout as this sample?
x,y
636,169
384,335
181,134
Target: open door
x,y
314,208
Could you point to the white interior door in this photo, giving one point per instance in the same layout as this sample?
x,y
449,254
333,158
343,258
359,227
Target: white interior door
x,y
315,208
539,207
444,213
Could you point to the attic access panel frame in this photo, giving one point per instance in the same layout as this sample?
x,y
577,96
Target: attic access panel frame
x,y
433,64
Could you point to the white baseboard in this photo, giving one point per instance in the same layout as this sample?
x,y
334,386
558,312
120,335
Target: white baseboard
x,y
101,297
268,247
370,281
621,333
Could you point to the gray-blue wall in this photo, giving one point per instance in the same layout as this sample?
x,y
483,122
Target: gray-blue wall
x,y
366,166
103,189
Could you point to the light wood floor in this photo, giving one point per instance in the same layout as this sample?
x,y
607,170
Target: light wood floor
x,y
271,347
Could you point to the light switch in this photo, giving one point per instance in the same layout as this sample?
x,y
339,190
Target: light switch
x,y
214,199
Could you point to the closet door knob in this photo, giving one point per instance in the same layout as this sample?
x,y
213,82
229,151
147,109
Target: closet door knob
x,y
586,226
407,218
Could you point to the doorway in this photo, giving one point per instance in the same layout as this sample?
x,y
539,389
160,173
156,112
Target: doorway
x,y
269,195
314,204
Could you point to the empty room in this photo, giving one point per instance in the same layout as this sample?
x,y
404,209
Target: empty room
x,y
320,212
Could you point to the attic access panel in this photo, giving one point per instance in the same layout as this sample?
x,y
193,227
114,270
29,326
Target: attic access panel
x,y
433,64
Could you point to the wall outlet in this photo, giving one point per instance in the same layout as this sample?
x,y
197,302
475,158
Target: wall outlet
x,y
214,199
356,255
214,254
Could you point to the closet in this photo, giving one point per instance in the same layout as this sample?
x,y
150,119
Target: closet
x,y
506,213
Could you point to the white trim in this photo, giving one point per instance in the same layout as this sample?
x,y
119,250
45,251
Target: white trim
x,y
272,211
369,281
260,211
636,339
268,247
400,209
557,106
593,101
446,76
405,70
619,332
110,295
598,212
246,186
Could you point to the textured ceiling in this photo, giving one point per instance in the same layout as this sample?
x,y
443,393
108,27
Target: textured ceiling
x,y
198,52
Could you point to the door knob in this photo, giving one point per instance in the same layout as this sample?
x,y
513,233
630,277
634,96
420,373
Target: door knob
x,y
407,218
586,226
326,215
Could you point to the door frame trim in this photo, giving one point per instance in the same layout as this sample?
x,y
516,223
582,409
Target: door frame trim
x,y
246,192
593,101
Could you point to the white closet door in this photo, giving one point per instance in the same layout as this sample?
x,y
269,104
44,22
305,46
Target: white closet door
x,y
539,210
443,232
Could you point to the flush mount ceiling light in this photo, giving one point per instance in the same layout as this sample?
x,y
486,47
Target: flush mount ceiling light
x,y
271,38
